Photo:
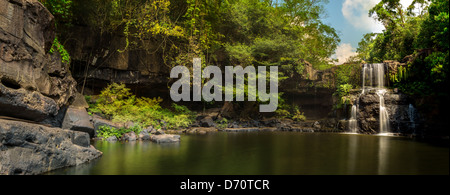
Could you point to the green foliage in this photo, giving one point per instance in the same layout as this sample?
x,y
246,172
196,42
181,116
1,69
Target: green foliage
x,y
423,34
437,63
222,123
401,74
258,33
61,10
65,57
414,88
342,93
397,41
434,29
295,114
298,115
285,110
120,105
348,74
236,32
106,131
282,113
92,105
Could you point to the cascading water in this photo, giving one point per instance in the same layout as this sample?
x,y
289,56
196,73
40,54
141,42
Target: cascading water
x,y
412,117
373,76
353,122
384,115
380,75
364,79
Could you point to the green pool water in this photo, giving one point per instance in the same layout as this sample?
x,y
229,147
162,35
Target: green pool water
x,y
269,153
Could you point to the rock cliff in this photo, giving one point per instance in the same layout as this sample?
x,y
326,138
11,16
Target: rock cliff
x,y
398,106
34,84
98,60
312,91
36,88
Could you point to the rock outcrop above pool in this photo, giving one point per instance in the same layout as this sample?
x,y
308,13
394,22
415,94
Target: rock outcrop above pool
x,y
36,87
29,149
34,83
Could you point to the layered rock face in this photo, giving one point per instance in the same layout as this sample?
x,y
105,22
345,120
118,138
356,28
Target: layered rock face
x,y
34,84
311,91
33,149
98,61
398,107
36,87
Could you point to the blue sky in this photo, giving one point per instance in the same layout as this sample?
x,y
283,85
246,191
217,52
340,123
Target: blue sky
x,y
351,19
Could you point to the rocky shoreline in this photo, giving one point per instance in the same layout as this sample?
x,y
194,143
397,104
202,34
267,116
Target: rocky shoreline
x,y
29,149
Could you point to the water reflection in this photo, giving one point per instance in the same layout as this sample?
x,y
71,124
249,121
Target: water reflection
x,y
269,153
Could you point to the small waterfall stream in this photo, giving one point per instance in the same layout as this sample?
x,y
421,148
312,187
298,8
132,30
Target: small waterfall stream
x,y
353,122
412,117
384,115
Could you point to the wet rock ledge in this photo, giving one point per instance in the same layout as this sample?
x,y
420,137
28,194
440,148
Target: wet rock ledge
x,y
28,149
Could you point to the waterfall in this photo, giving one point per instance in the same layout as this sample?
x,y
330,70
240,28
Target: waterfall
x,y
364,79
411,114
353,122
368,73
373,76
380,75
384,115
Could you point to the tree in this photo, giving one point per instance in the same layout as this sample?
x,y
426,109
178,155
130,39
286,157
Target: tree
x,y
421,33
61,10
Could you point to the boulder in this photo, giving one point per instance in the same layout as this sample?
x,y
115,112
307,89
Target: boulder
x,y
130,136
111,139
157,132
207,122
270,122
80,101
27,148
98,122
165,138
284,126
144,135
78,119
317,125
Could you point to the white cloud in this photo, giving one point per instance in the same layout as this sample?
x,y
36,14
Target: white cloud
x,y
406,3
357,13
343,52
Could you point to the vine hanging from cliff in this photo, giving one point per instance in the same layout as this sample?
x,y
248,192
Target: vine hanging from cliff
x,y
57,46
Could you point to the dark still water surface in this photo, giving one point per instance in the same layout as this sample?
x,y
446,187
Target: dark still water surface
x,y
269,153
